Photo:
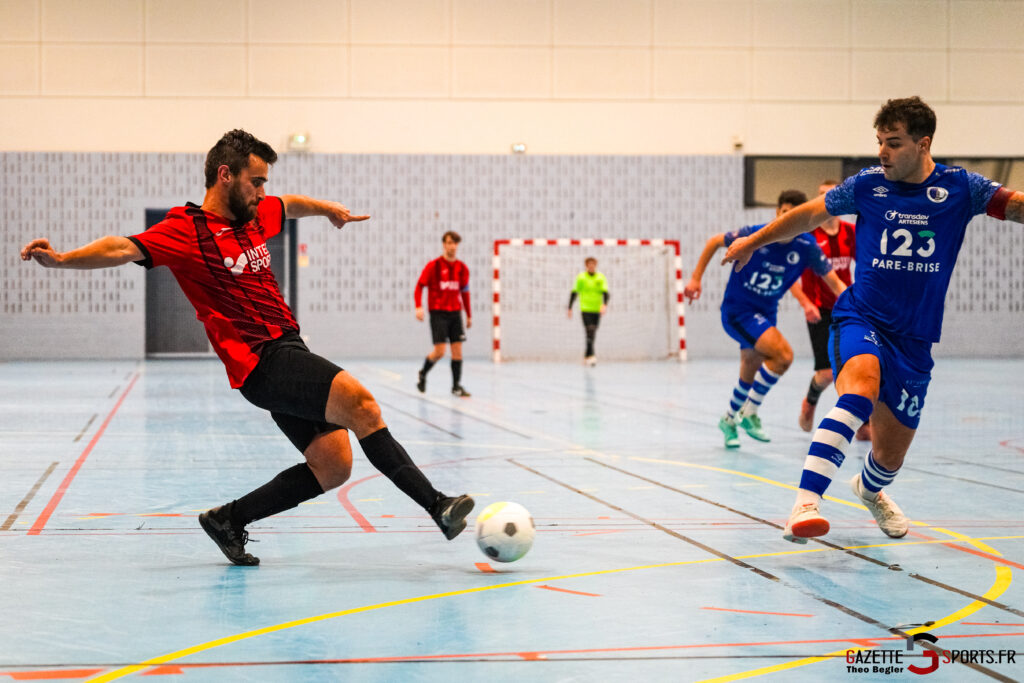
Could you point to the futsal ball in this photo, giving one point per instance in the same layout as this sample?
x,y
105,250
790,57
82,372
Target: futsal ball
x,y
504,531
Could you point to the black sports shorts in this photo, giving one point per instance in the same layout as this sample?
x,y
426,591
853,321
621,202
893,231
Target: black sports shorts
x,y
819,339
591,319
293,383
446,326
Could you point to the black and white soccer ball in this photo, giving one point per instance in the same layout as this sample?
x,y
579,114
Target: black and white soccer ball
x,y
504,531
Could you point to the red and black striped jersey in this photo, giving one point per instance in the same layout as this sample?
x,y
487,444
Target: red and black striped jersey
x,y
447,284
223,267
840,249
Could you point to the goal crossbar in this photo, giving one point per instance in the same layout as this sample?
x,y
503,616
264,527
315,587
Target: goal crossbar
x,y
680,353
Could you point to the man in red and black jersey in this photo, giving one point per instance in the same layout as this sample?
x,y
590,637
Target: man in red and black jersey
x,y
218,254
838,240
447,281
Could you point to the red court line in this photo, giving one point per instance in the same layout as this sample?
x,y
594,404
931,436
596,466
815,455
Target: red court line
x,y
749,611
535,654
351,509
972,551
565,590
986,623
1008,444
62,489
164,670
50,675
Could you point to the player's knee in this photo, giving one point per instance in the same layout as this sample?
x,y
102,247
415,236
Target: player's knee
x,y
330,459
367,411
333,474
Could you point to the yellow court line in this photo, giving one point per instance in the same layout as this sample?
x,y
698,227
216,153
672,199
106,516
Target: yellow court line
x,y
763,480
1003,579
1004,576
227,640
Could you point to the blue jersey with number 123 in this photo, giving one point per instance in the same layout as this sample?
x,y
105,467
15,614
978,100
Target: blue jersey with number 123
x,y
772,270
908,239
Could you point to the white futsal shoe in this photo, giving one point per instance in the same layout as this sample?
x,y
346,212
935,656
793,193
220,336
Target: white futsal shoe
x,y
887,513
590,361
805,522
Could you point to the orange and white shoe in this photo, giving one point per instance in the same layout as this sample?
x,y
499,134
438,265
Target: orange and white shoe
x,y
805,522
884,509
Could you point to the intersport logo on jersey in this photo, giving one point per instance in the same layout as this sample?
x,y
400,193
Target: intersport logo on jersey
x,y
907,218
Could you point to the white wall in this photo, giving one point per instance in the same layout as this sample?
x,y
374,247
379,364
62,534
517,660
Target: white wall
x,y
160,80
474,76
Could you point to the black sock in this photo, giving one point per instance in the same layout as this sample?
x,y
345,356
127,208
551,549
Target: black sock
x,y
388,456
456,372
591,333
289,488
814,393
427,364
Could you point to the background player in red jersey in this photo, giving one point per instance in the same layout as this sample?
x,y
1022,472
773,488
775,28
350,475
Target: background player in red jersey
x,y
218,255
447,281
837,240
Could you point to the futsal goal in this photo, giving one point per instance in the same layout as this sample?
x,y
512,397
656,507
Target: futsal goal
x,y
534,277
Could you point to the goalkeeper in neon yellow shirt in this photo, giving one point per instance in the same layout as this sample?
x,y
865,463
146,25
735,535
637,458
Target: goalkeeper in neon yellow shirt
x,y
592,289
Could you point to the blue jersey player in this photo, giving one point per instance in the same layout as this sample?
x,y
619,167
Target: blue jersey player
x,y
749,309
912,214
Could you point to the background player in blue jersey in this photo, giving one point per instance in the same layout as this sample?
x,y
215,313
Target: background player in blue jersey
x,y
749,309
912,214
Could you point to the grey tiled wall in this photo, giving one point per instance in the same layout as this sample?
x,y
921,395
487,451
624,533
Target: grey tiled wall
x,y
355,293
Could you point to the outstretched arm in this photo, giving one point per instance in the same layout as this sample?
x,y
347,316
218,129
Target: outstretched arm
x,y
693,288
300,206
808,215
106,252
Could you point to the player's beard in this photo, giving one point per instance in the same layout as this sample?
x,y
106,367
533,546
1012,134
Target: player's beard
x,y
239,208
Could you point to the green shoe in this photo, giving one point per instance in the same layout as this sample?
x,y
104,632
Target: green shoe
x,y
728,427
752,425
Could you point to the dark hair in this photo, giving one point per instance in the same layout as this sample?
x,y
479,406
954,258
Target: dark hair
x,y
794,197
917,116
454,235
589,259
233,151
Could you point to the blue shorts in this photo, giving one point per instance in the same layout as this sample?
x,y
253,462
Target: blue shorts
x,y
905,363
746,325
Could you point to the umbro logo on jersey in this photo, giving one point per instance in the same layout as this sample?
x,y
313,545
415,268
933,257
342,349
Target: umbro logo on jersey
x,y
937,194
880,191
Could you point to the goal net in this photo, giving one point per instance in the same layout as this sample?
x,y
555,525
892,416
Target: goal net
x,y
534,277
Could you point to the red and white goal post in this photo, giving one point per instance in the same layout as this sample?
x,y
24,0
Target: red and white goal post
x,y
533,279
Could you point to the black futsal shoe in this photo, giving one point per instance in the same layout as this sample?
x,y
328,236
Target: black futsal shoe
x,y
231,539
450,514
457,390
422,383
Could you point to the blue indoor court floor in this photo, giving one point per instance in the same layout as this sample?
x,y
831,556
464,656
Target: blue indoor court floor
x,y
658,554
